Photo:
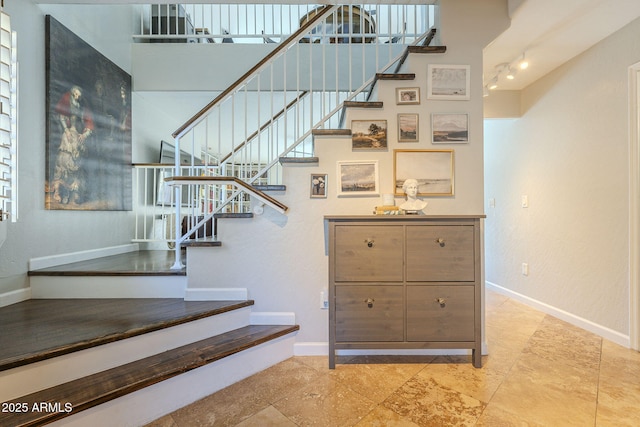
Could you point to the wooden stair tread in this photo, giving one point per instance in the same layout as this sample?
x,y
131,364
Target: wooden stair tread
x,y
233,215
299,160
427,49
37,329
104,386
270,187
139,263
362,104
395,76
209,242
331,132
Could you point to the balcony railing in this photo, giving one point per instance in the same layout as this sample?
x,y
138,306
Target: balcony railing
x,y
272,23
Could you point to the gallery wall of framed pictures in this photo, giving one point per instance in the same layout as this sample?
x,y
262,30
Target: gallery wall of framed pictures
x,y
419,134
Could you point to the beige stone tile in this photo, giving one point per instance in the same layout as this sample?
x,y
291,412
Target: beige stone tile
x,y
512,325
619,389
458,374
286,377
426,403
376,381
620,363
493,416
325,403
268,417
559,341
494,300
319,363
548,393
383,417
227,407
166,421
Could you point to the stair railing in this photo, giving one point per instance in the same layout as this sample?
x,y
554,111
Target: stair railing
x,y
328,61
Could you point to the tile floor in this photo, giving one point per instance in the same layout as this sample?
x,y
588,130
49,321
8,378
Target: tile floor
x,y
541,371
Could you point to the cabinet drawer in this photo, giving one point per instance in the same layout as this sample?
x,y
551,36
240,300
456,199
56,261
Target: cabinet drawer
x,y
369,313
368,253
440,313
440,253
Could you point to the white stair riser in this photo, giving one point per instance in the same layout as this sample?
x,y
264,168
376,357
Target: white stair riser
x,y
153,402
108,286
47,373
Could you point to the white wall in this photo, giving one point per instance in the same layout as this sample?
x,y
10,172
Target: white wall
x,y
569,153
40,232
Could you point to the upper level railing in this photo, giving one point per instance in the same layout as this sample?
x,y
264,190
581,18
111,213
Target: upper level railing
x,y
272,23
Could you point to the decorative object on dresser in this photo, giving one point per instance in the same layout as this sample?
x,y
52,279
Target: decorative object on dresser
x,y
404,282
413,205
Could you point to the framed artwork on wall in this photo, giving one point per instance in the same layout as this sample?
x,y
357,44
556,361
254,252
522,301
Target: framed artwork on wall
x,y
369,134
433,169
358,178
448,82
88,126
407,95
407,127
318,184
449,128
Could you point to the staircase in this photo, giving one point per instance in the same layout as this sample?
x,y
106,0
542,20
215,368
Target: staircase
x,y
139,371
126,362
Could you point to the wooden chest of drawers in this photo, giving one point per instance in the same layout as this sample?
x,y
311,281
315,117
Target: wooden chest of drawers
x,y
404,282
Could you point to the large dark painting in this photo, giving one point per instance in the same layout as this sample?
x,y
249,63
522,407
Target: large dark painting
x,y
88,126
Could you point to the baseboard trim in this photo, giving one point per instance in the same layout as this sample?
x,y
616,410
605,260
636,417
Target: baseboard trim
x,y
54,260
216,294
14,297
603,331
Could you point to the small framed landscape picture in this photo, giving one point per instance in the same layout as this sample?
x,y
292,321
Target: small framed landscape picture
x,y
318,186
369,134
408,95
450,128
407,128
358,178
448,82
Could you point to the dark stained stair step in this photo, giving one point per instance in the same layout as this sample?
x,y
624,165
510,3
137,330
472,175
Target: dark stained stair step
x,y
38,329
299,160
93,390
395,76
331,132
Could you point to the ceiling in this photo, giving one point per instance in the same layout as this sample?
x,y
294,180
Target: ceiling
x,y
548,32
551,32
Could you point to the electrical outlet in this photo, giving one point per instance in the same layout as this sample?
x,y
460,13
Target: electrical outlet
x,y
525,201
324,300
525,269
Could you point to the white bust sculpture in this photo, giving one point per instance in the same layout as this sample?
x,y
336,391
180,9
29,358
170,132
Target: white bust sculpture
x,y
412,204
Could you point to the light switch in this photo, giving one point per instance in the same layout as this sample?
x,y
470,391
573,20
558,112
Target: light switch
x,y
525,201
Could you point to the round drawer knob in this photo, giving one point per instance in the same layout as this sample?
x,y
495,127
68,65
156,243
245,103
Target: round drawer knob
x,y
369,242
369,302
440,241
441,301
